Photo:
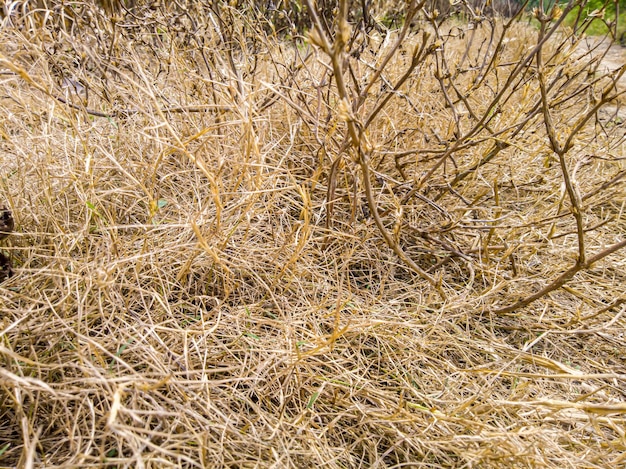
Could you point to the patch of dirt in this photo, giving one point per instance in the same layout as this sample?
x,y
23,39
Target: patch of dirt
x,y
614,58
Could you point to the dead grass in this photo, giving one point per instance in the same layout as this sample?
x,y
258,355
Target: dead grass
x,y
180,301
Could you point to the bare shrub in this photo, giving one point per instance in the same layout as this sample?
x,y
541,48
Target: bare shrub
x,y
483,111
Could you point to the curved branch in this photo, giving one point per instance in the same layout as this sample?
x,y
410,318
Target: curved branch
x,y
561,279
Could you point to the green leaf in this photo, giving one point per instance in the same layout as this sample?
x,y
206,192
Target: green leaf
x,y
93,209
4,448
161,203
312,400
124,346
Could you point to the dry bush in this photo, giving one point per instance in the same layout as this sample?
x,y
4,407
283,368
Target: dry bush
x,y
363,249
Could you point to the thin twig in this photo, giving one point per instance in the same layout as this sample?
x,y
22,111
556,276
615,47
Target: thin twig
x,y
561,279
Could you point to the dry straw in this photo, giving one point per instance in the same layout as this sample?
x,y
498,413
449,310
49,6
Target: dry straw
x,y
364,247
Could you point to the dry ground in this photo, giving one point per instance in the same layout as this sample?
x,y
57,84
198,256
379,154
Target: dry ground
x,y
615,58
179,300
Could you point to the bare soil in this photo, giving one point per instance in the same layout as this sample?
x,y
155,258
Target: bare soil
x,y
614,58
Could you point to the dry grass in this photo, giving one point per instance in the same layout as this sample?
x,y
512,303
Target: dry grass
x,y
180,301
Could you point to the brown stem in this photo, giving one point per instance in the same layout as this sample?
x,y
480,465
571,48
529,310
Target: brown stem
x,y
561,279
496,100
336,54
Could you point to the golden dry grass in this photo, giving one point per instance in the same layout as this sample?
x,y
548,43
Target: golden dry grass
x,y
179,300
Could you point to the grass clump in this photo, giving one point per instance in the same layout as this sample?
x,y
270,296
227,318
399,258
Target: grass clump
x,y
363,249
600,17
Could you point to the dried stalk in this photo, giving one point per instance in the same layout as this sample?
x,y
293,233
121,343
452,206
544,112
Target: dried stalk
x,y
562,279
336,53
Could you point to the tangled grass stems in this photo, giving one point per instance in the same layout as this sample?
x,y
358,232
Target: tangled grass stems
x,y
206,289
